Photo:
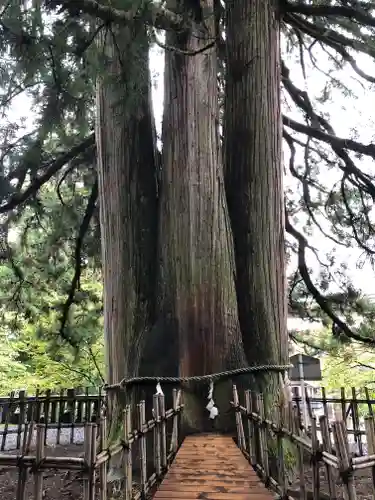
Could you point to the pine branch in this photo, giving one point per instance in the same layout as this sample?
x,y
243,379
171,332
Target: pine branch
x,y
50,170
353,13
77,257
305,181
154,14
318,297
334,40
334,141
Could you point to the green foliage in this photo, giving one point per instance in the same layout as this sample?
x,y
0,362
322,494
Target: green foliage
x,y
35,281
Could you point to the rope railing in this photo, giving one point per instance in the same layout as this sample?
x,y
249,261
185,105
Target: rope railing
x,y
127,382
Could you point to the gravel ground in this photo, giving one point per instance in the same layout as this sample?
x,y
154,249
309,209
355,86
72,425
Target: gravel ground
x,y
65,436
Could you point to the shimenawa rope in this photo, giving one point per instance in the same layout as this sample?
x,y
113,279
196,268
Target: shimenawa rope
x,y
196,378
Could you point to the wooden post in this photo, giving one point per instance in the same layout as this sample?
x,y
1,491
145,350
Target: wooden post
x,y
315,461
38,474
296,427
356,428
6,422
263,441
174,439
71,407
163,437
60,415
157,436
21,418
90,457
142,445
280,454
341,442
250,428
103,467
370,437
327,446
26,443
128,458
240,432
369,402
46,411
343,405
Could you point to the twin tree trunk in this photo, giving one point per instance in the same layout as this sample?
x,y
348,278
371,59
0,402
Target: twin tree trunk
x,y
179,297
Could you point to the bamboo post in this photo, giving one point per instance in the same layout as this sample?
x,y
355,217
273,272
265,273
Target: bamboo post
x,y
38,473
250,427
280,453
370,437
174,439
296,428
315,461
263,441
128,458
327,446
103,467
341,442
142,445
90,456
163,436
240,432
157,436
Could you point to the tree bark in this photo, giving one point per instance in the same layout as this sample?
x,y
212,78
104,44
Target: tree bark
x,y
253,176
128,202
196,283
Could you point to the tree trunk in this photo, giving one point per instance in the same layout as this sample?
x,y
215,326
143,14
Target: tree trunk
x,y
196,284
128,202
253,176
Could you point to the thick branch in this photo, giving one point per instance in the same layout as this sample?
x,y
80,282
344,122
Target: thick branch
x,y
358,147
51,170
318,297
77,257
154,14
351,13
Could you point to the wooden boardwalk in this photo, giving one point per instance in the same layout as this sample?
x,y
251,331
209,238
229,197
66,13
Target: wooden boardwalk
x,y
211,467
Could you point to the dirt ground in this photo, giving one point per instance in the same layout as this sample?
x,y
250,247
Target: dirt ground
x,y
362,480
56,484
69,485
64,485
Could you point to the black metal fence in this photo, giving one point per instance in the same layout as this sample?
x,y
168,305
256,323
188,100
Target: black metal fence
x,y
63,413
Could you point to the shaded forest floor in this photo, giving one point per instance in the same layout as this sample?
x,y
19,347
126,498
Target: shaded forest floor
x,y
362,480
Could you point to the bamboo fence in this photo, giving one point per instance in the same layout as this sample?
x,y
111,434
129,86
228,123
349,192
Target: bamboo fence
x,y
283,425
97,454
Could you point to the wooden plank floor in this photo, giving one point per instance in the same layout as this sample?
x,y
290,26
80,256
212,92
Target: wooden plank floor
x,y
211,467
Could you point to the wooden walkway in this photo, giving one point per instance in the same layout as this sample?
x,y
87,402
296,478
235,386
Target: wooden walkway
x,y
211,467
